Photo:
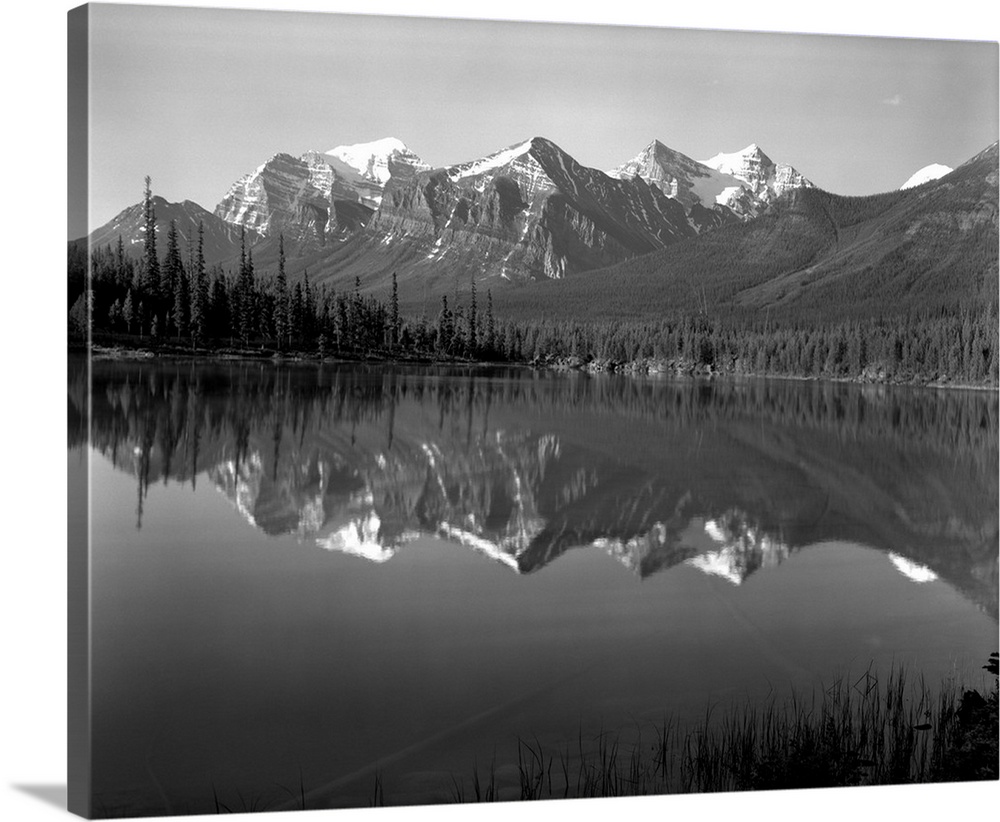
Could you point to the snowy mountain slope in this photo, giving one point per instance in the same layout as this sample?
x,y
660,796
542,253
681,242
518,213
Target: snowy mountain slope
x,y
742,183
932,172
762,178
379,160
678,176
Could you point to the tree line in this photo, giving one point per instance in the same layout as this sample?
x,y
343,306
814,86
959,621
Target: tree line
x,y
122,400
178,300
960,347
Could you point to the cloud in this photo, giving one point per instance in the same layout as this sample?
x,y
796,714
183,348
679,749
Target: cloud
x,y
895,100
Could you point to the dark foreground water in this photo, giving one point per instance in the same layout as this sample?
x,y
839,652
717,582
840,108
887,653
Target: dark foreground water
x,y
303,577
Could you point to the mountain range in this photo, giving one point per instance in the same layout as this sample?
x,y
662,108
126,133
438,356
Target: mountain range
x,y
538,227
925,248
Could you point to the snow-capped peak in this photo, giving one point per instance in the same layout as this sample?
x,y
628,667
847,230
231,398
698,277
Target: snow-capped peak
x,y
765,179
932,172
734,162
680,177
497,160
372,158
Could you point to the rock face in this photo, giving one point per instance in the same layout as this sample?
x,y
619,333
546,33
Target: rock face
x,y
528,211
317,197
739,185
704,191
763,180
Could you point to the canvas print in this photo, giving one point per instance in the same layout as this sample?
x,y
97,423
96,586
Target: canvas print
x,y
442,431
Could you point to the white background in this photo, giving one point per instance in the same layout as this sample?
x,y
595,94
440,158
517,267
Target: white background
x,y
32,470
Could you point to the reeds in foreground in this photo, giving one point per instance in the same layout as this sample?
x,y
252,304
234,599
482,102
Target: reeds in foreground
x,y
863,731
859,731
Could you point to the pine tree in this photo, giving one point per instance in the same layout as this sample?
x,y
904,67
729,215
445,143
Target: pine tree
x,y
394,314
150,263
182,303
121,268
490,324
296,312
199,292
472,336
115,315
343,322
281,297
308,310
235,291
175,284
244,292
220,308
251,298
128,312
354,316
290,326
444,329
81,315
326,319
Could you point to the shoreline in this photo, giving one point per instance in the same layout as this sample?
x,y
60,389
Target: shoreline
x,y
650,369
670,369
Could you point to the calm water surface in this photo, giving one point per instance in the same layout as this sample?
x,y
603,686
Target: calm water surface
x,y
303,576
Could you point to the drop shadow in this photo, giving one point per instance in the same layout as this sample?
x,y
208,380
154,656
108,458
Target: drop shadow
x,y
50,794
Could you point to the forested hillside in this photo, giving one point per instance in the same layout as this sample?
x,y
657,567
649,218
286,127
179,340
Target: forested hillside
x,y
814,256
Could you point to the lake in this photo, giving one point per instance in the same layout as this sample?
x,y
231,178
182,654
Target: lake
x,y
318,579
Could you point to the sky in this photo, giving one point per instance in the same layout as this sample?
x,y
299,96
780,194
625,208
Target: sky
x,y
196,98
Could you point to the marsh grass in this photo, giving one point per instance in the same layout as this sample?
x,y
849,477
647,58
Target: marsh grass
x,y
862,730
378,797
258,802
858,731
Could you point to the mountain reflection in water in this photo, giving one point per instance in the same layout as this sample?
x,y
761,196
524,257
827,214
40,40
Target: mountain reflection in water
x,y
728,476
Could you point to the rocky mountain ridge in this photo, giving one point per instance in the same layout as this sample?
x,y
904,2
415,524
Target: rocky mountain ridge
x,y
526,214
221,238
813,253
530,210
317,197
742,183
764,180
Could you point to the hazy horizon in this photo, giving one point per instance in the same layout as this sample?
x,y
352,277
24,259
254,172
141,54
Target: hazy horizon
x,y
197,98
